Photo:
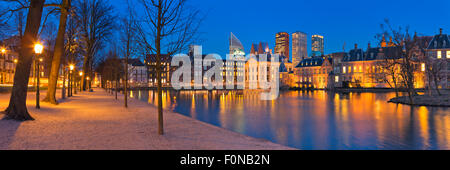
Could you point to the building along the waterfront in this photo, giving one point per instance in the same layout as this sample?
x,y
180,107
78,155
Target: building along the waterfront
x,y
314,72
299,47
138,73
438,53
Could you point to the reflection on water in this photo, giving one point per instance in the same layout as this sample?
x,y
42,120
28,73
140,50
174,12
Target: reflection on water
x,y
316,120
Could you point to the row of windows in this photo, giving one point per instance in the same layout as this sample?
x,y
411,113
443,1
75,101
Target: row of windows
x,y
441,53
314,71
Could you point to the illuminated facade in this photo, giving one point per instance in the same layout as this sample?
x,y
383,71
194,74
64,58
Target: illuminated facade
x,y
438,51
282,44
317,45
255,65
314,72
299,47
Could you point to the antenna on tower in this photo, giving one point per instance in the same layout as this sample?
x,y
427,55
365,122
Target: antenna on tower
x,y
343,47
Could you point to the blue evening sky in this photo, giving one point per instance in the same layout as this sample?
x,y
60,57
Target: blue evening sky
x,y
339,21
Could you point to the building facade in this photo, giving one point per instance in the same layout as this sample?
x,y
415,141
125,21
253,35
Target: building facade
x,y
314,72
317,45
137,73
438,53
282,44
299,47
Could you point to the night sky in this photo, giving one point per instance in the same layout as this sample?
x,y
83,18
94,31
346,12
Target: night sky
x,y
349,21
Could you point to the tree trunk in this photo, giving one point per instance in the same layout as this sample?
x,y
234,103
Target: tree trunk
x,y
58,52
158,71
125,88
17,108
116,84
85,70
436,85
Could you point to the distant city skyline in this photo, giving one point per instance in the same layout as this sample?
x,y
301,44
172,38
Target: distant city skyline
x,y
342,22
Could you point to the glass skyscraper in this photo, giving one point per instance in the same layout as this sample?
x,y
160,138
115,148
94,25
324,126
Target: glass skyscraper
x,y
299,47
317,45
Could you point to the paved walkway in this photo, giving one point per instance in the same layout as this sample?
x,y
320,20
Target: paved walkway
x,y
96,121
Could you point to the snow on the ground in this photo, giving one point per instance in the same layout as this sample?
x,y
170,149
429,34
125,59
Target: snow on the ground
x,y
97,121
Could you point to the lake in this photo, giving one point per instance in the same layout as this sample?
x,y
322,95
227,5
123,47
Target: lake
x,y
316,120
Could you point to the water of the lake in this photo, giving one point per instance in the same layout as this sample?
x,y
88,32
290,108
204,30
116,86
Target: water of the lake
x,y
316,120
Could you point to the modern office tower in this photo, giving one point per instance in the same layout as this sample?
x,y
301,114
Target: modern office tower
x,y
282,44
236,47
317,45
299,47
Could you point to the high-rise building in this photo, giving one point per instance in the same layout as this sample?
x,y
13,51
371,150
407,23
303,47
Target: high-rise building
x,y
236,47
317,45
282,43
299,47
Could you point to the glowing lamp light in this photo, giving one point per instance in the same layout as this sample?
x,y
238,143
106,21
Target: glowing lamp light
x,y
38,48
71,67
40,59
15,61
3,50
81,73
87,78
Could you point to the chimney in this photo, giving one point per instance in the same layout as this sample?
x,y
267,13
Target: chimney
x,y
368,46
356,46
440,31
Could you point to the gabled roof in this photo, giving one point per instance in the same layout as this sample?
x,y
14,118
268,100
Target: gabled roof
x,y
440,41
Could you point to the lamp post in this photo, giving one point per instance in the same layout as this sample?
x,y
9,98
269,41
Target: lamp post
x,y
38,48
71,67
81,78
63,90
3,51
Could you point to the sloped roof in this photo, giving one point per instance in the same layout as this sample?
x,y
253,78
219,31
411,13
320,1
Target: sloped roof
x,y
135,62
310,62
440,41
283,68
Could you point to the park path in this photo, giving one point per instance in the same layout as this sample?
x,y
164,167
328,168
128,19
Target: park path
x,y
96,121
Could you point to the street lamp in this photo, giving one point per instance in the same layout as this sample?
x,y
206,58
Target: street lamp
x,y
81,79
3,51
38,48
71,67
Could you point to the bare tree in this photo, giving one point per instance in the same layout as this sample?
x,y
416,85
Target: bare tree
x,y
170,26
58,52
96,21
128,39
410,51
17,108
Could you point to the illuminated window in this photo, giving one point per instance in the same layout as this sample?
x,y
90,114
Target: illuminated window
x,y
439,54
354,68
448,54
336,79
344,70
360,68
423,67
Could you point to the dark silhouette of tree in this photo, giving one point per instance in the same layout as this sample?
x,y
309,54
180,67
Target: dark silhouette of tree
x,y
96,21
167,26
64,7
17,109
